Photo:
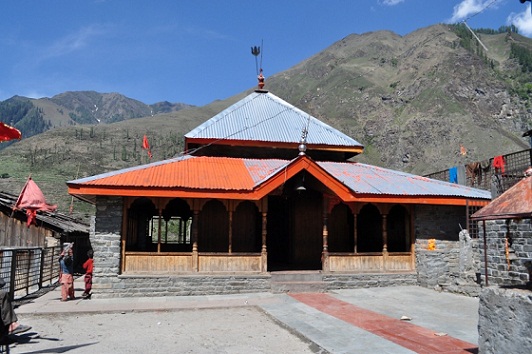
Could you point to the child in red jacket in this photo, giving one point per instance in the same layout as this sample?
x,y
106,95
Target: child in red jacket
x,y
88,266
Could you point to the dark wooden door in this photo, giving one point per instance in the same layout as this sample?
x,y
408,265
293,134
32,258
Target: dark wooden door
x,y
306,220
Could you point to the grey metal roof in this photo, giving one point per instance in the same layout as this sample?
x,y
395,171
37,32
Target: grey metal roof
x,y
367,179
191,173
262,116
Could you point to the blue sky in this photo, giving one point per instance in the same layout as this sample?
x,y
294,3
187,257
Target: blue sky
x,y
199,51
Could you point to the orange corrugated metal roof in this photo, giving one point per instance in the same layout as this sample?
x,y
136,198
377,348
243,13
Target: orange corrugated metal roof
x,y
196,173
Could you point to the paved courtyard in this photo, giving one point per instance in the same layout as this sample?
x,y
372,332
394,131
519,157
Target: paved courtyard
x,y
377,320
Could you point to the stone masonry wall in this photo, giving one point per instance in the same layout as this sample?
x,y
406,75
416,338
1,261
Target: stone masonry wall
x,y
105,240
439,222
505,323
520,251
371,280
184,285
454,262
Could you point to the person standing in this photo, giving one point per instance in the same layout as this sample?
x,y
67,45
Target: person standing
x,y
88,266
66,263
10,324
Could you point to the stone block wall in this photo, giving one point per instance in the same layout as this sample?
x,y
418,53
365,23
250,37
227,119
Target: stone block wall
x,y
515,269
452,266
454,263
439,222
356,281
105,240
183,285
505,323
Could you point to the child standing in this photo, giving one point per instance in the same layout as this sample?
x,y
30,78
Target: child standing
x,y
88,266
66,263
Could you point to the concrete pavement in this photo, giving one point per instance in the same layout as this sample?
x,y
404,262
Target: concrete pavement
x,y
344,321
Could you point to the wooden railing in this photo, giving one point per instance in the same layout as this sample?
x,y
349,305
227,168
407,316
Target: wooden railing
x,y
153,262
165,263
26,270
371,262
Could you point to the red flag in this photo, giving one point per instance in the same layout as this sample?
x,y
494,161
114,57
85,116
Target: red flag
x,y
146,145
32,199
8,132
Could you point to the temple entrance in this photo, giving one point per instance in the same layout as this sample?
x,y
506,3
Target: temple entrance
x,y
295,231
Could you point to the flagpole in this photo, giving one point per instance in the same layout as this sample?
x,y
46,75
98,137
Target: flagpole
x,y
71,209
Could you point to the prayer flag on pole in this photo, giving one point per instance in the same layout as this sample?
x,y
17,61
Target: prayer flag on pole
x,y
146,145
32,199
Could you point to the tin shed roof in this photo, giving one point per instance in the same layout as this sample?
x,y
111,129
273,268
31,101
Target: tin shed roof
x,y
264,117
515,203
367,179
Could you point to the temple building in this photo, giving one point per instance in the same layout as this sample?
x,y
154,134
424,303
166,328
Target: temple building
x,y
261,189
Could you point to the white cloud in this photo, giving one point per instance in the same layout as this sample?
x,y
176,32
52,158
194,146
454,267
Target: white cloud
x,y
523,21
391,2
75,41
469,7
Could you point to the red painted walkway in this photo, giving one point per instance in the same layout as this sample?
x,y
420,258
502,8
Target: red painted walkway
x,y
405,334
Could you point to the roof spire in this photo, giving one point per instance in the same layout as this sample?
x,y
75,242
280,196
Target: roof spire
x,y
303,142
260,76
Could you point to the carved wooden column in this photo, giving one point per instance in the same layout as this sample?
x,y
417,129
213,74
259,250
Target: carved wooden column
x,y
125,231
325,233
195,258
412,240
159,229
230,230
263,251
355,230
384,240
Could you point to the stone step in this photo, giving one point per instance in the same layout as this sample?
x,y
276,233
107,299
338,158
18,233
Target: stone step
x,y
297,281
298,287
297,276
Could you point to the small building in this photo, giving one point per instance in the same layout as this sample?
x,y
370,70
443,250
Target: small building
x,y
505,305
50,228
29,253
264,188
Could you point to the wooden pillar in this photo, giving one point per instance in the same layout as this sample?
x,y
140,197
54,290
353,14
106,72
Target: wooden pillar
x,y
263,252
412,239
159,227
230,230
123,236
384,240
355,230
384,234
325,234
195,258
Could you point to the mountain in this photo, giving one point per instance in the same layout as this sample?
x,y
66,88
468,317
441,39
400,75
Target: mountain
x,y
35,116
413,101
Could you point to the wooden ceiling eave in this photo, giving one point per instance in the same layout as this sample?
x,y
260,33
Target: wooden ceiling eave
x,y
305,163
85,192
414,199
269,144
